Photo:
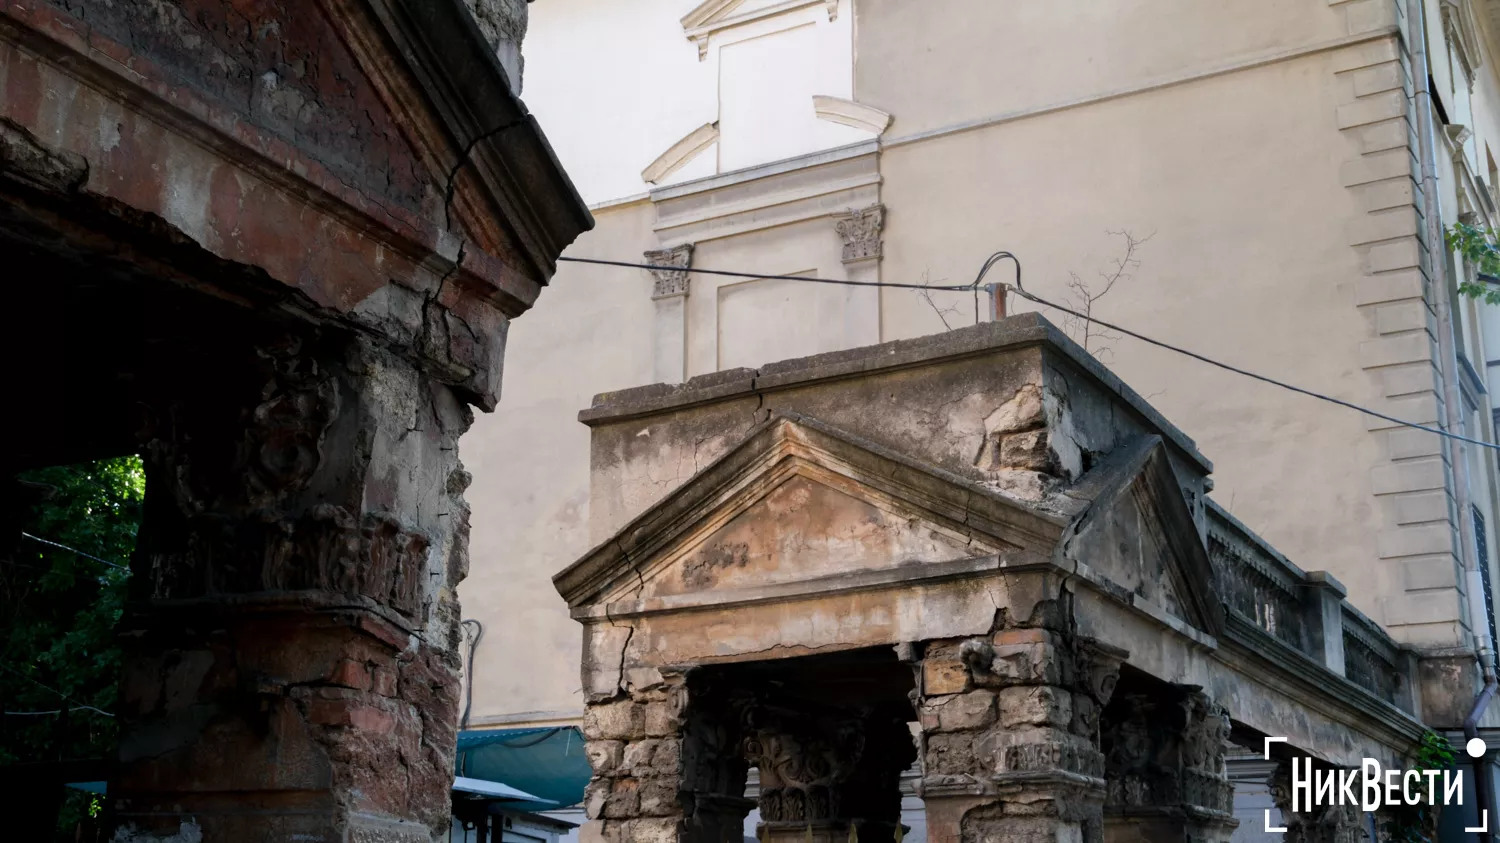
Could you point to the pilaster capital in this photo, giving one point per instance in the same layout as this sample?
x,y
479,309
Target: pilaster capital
x,y
674,281
860,230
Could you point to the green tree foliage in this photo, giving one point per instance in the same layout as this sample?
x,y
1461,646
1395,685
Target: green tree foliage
x,y
1478,247
57,647
1418,823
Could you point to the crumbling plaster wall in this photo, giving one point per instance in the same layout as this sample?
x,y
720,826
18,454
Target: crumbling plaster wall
x,y
279,66
152,169
1004,418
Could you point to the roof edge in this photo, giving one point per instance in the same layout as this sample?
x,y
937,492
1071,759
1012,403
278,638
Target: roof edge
x,y
463,80
1014,332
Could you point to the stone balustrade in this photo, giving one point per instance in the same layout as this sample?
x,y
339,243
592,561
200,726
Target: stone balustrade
x,y
1305,610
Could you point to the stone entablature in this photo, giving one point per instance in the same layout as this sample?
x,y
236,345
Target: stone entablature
x,y
994,546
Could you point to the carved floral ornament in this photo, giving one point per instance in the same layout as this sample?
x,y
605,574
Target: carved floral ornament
x,y
860,231
671,282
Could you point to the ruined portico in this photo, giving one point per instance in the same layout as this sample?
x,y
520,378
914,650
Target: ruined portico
x,y
1084,631
275,250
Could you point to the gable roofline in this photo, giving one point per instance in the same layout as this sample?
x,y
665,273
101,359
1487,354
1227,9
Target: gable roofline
x,y
1025,330
1145,460
490,136
946,495
707,11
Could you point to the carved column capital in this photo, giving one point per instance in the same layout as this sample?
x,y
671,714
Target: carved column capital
x,y
822,772
671,282
1320,823
804,761
1165,755
860,230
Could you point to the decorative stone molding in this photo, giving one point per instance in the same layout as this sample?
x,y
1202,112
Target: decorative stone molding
x,y
1458,134
1168,753
671,282
829,774
713,16
803,189
680,154
1459,31
804,763
860,231
850,113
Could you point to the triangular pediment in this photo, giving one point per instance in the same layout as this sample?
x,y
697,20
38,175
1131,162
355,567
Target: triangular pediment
x,y
811,524
1140,536
801,502
713,16
711,12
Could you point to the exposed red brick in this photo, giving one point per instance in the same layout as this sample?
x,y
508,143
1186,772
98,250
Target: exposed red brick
x,y
351,674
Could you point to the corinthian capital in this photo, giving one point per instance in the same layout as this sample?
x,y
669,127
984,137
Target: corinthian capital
x,y
671,282
860,231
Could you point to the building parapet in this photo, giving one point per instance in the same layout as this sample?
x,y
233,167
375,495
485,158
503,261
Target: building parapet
x,y
1306,610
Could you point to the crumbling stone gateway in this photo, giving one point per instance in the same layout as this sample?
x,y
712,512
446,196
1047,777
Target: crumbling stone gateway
x,y
978,551
274,249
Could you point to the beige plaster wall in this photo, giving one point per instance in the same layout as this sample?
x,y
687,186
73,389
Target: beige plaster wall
x,y
739,322
1248,264
941,62
589,332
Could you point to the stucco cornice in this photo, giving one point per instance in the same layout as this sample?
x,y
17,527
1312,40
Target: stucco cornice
x,y
714,15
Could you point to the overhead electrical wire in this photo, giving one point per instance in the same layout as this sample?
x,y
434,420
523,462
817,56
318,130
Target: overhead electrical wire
x,y
762,277
1021,291
77,705
74,550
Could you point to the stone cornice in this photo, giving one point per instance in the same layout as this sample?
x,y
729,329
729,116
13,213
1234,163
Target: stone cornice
x,y
1015,332
1255,653
715,15
454,69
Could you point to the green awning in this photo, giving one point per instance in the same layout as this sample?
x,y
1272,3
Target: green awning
x,y
548,763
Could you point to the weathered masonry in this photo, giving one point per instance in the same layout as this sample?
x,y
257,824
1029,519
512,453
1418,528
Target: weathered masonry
x,y
274,248
979,551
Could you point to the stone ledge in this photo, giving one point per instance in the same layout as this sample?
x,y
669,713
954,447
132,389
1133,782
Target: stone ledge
x,y
1020,331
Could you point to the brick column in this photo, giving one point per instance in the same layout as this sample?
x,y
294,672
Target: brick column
x,y
289,644
667,766
1165,765
1010,733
